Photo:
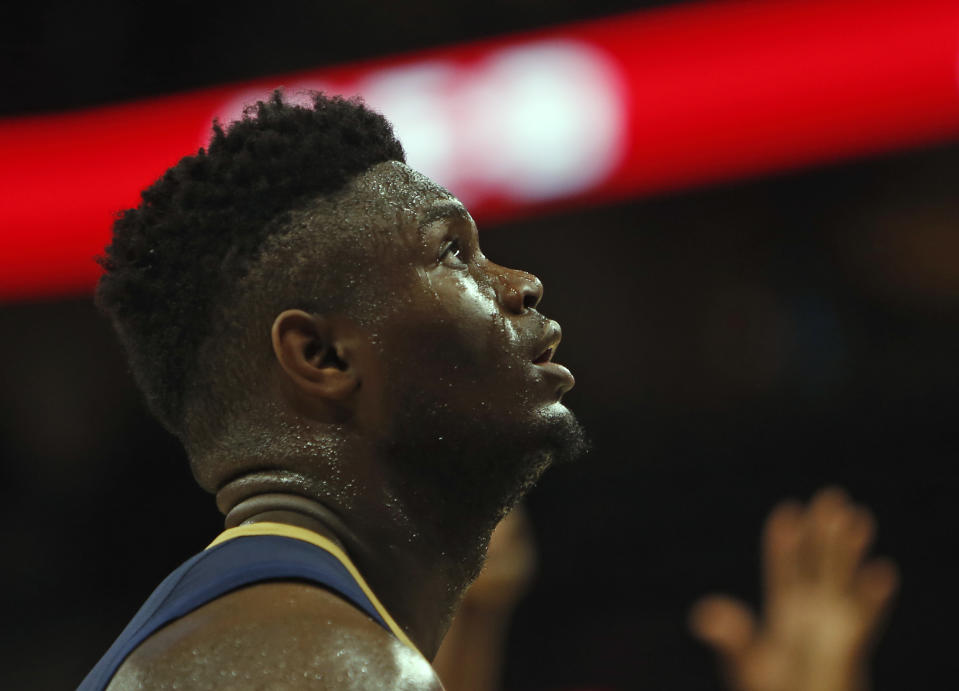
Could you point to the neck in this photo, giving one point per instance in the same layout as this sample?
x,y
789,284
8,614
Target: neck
x,y
417,579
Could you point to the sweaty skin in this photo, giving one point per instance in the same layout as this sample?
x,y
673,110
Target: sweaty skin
x,y
421,423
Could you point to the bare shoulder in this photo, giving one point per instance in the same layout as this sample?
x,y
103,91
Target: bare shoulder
x,y
275,636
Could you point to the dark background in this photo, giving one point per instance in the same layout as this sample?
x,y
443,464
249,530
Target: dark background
x,y
733,346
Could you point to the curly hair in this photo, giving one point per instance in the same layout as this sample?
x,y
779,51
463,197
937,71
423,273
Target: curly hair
x,y
177,260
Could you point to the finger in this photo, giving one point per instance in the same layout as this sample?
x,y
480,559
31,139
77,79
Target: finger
x,y
780,548
725,624
848,547
825,522
874,587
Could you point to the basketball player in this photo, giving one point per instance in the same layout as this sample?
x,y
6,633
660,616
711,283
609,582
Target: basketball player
x,y
365,393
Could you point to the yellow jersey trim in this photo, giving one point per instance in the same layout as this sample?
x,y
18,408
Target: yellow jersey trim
x,y
298,533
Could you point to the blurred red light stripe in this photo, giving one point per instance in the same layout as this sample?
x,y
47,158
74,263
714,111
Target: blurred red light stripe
x,y
709,92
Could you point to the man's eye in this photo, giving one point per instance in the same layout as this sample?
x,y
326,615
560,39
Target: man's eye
x,y
453,249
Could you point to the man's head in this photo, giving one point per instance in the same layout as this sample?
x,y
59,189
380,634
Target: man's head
x,y
179,258
298,294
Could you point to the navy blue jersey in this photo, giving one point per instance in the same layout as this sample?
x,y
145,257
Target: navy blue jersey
x,y
242,556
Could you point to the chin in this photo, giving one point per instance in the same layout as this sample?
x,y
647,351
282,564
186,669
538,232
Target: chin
x,y
558,409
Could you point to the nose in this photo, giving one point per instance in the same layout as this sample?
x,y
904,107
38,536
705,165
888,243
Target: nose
x,y
519,291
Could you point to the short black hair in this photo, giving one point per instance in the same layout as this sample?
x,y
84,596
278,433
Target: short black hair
x,y
175,259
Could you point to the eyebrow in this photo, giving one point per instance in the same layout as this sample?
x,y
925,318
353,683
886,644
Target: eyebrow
x,y
443,211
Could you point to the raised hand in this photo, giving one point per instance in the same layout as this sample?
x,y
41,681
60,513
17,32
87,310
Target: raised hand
x,y
823,604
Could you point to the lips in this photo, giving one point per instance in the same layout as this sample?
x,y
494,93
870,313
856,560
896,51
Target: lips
x,y
545,350
546,347
545,356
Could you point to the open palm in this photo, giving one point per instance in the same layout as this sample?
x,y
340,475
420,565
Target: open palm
x,y
823,604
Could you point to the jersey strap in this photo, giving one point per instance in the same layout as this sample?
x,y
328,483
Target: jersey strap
x,y
324,543
238,557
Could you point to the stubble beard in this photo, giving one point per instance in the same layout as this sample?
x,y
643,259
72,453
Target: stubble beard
x,y
464,470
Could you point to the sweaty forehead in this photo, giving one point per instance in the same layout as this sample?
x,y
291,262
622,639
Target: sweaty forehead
x,y
396,193
381,210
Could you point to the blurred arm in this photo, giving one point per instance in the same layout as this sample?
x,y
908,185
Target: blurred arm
x,y
471,656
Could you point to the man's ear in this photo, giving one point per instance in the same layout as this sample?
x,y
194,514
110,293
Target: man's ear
x,y
308,350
